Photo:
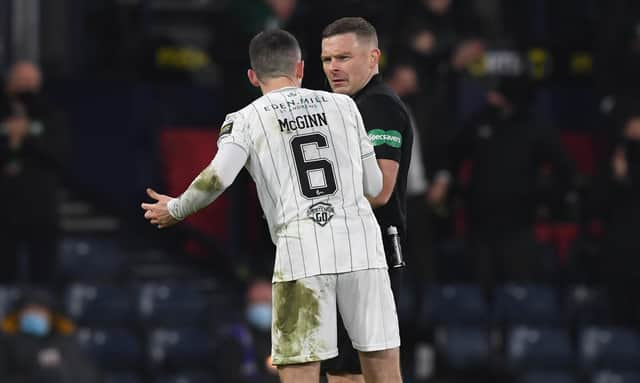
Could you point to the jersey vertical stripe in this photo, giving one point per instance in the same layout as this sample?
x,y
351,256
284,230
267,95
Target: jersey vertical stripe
x,y
342,193
353,178
371,244
295,196
275,171
333,245
315,233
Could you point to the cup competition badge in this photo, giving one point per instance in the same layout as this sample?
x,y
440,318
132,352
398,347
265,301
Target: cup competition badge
x,y
321,213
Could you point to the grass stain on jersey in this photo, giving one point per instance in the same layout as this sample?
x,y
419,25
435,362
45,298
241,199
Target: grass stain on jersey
x,y
297,321
208,181
279,228
278,275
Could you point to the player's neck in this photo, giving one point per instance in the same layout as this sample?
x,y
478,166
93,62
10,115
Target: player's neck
x,y
278,83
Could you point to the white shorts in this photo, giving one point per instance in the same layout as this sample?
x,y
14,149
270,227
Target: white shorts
x,y
304,325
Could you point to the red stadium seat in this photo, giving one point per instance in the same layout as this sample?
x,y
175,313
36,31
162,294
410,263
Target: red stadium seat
x,y
580,148
185,152
560,234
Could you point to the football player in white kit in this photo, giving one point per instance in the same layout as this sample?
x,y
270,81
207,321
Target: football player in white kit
x,y
311,159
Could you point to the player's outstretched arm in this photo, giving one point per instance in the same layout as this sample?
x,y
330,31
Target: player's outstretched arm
x,y
204,189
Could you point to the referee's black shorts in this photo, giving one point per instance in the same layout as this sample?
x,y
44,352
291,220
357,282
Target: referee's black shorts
x,y
347,362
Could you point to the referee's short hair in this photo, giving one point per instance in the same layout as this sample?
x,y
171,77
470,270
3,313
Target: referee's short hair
x,y
361,27
274,53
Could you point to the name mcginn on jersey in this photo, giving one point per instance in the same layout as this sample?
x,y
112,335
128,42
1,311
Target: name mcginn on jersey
x,y
302,122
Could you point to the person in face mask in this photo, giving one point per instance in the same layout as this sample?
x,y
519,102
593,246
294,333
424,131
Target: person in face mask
x,y
35,320
38,345
33,148
248,344
508,152
258,312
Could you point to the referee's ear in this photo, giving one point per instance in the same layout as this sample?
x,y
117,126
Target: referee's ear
x,y
253,78
374,57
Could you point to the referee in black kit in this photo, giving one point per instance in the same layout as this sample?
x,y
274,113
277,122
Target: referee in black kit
x,y
350,58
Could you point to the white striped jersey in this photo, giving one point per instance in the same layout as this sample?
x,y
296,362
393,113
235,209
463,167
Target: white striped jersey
x,y
305,150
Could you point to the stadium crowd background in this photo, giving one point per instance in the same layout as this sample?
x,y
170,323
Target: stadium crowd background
x,y
523,268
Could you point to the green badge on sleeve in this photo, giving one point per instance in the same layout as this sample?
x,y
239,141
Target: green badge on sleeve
x,y
379,137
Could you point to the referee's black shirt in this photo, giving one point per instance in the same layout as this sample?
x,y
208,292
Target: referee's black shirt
x,y
388,124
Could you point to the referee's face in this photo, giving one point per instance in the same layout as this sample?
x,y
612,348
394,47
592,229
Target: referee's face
x,y
347,62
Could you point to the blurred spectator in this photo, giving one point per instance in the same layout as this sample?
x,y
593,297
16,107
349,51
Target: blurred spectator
x,y
39,347
523,24
507,155
248,346
442,38
423,194
617,55
617,196
247,18
33,146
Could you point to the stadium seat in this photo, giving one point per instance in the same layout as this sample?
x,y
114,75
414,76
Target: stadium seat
x,y
463,348
586,305
100,305
121,377
459,305
187,377
581,149
525,305
608,348
90,259
9,295
181,348
161,304
113,349
529,348
607,376
547,377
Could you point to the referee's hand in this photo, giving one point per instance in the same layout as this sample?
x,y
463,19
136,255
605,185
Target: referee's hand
x,y
157,213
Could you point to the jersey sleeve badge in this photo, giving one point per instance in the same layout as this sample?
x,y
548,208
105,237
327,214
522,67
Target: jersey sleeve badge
x,y
226,128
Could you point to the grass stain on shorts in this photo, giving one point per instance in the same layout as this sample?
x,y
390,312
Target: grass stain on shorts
x,y
297,320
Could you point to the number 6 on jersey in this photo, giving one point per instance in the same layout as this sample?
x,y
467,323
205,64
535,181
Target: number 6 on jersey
x,y
316,176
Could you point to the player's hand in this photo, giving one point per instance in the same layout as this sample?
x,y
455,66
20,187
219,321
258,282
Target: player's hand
x,y
157,213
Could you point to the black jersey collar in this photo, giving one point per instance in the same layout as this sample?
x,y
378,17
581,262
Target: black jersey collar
x,y
375,80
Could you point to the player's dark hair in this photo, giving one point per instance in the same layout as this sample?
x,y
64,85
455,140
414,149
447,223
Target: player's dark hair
x,y
274,53
361,27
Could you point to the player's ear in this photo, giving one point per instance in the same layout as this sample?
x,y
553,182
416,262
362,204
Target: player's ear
x,y
300,70
253,78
